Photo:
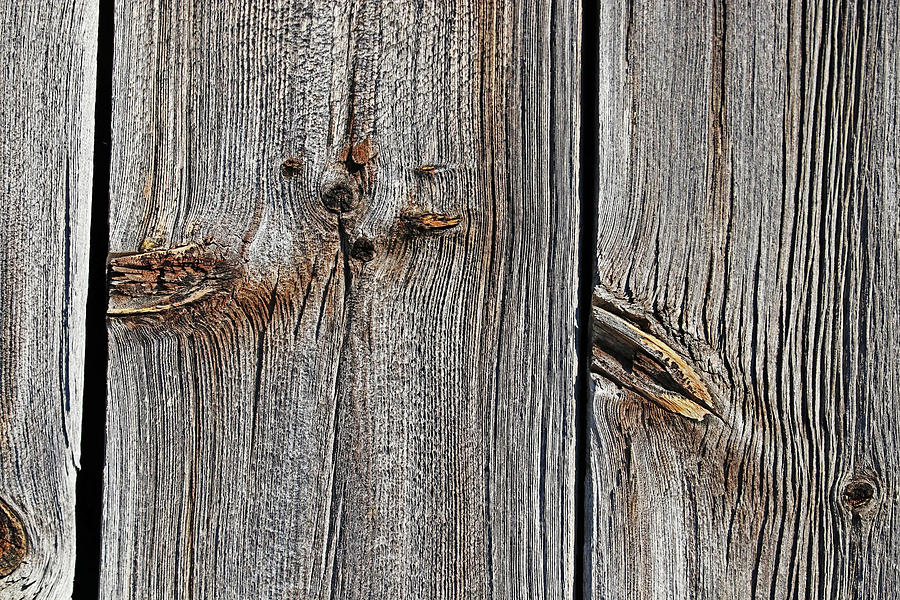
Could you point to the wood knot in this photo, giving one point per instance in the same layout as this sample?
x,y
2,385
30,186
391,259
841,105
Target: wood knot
x,y
859,494
163,279
646,365
291,168
13,541
427,222
341,195
363,249
357,163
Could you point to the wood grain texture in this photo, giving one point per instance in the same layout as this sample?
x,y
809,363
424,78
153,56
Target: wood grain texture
x,y
48,53
380,403
748,218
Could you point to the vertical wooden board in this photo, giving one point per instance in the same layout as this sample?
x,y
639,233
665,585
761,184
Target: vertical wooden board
x,y
747,264
342,300
48,53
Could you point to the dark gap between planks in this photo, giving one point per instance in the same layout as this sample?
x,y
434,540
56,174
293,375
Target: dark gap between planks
x,y
589,167
587,247
89,485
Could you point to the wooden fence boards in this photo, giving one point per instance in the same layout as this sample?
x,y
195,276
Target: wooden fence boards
x,y
343,287
747,220
48,53
342,300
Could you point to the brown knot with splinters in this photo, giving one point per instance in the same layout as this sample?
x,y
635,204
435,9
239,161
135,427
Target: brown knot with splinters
x,y
357,162
13,542
346,182
362,153
426,222
291,168
166,278
646,365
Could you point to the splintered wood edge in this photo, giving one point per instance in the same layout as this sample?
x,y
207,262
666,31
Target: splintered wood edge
x,y
193,296
158,308
113,258
429,221
693,401
690,378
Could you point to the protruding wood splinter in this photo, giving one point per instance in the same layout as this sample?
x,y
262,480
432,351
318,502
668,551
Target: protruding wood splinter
x,y
648,366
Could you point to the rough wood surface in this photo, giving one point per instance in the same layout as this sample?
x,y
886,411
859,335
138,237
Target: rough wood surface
x,y
749,219
48,53
342,300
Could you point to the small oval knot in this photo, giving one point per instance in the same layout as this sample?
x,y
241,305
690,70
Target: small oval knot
x,y
363,249
858,494
291,168
340,194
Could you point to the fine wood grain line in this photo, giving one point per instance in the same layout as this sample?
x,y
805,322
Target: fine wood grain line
x,y
48,53
381,403
748,213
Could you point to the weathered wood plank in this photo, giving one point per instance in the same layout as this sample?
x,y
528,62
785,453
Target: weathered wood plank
x,y
341,329
748,218
48,53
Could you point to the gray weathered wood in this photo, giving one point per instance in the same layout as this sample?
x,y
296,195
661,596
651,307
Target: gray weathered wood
x,y
749,220
342,300
48,53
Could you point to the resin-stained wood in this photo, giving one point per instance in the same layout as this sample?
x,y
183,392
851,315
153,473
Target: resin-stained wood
x,y
748,219
342,300
49,55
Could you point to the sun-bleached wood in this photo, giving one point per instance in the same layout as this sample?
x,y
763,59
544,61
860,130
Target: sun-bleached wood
x,y
748,217
48,53
343,287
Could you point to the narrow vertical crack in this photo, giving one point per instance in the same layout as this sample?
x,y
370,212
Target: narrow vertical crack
x,y
89,484
587,250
